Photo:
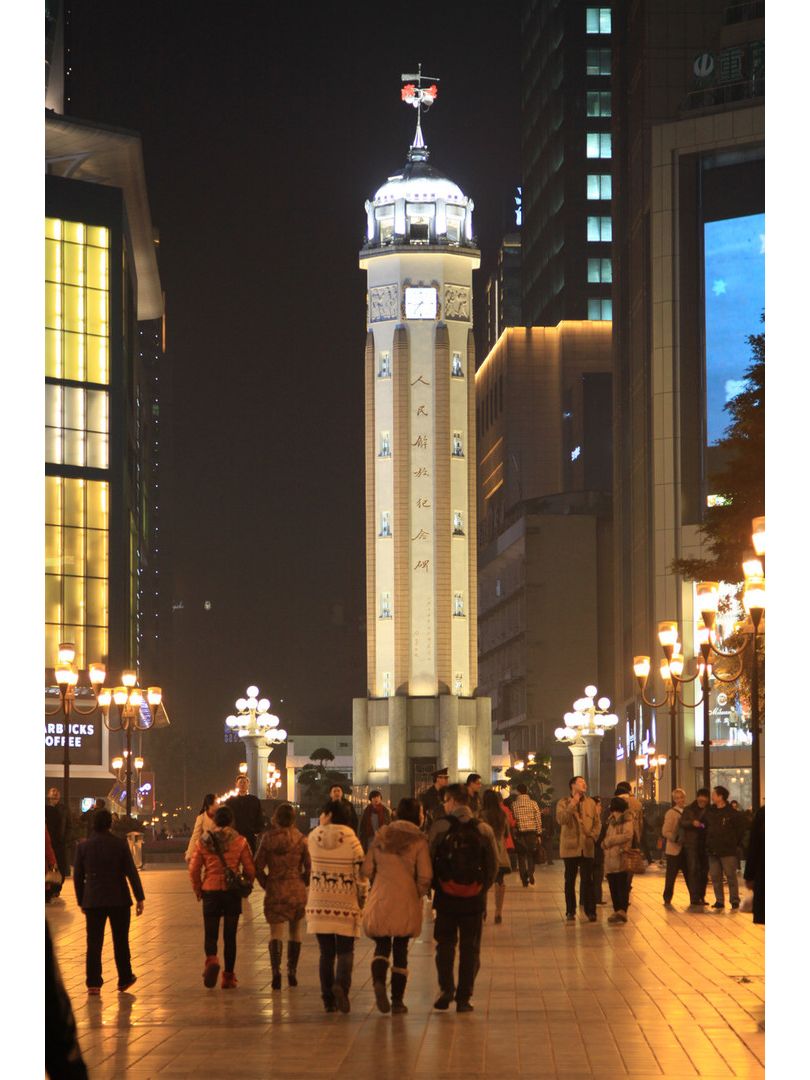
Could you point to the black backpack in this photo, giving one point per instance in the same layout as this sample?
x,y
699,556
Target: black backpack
x,y
460,860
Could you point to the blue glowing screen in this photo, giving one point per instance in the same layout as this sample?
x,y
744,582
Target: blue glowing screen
x,y
735,299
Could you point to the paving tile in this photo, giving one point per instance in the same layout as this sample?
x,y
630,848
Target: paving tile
x,y
659,997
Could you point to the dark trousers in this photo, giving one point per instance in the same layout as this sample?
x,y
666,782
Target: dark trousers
x,y
598,877
335,948
697,873
619,885
384,945
96,919
675,863
219,904
526,844
467,928
584,867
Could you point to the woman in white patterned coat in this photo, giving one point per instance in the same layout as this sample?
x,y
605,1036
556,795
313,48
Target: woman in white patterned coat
x,y
337,890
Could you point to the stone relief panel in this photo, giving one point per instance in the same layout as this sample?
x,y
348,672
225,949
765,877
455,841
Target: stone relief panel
x,y
457,302
383,303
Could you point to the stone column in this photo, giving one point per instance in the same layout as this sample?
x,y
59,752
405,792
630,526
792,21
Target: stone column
x,y
398,746
360,741
256,754
593,754
483,738
448,735
578,752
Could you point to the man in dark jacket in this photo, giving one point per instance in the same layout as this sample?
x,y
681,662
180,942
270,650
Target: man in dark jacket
x,y
336,794
100,873
375,815
724,831
755,865
432,799
248,819
693,830
58,822
459,905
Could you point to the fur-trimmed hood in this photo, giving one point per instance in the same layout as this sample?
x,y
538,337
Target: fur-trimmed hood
x,y
225,837
395,838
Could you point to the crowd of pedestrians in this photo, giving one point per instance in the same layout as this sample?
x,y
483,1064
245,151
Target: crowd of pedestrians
x,y
371,875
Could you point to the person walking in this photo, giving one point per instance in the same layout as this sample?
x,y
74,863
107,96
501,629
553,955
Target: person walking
x,y
618,838
465,865
675,855
337,891
492,813
203,824
221,846
336,793
754,874
511,832
529,827
693,833
282,870
248,819
374,817
474,797
598,877
579,828
101,870
58,821
724,831
432,800
399,867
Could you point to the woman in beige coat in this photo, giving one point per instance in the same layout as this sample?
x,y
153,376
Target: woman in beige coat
x,y
618,839
398,863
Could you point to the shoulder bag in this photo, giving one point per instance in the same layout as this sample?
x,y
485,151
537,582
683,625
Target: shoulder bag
x,y
235,880
633,861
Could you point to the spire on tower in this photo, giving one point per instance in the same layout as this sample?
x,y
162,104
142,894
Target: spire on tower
x,y
421,97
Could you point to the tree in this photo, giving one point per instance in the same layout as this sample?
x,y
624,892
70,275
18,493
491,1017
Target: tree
x,y
316,779
537,778
740,481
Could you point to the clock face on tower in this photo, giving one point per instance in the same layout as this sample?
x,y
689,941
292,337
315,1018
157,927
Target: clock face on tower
x,y
421,303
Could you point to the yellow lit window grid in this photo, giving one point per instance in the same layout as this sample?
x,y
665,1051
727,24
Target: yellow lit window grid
x,y
77,301
77,426
77,566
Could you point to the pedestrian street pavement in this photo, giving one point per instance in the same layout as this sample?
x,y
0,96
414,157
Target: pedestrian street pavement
x,y
671,994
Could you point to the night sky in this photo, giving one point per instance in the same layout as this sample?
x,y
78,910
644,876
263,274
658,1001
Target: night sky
x,y
265,128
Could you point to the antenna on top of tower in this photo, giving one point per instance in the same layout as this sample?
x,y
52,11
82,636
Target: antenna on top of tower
x,y
421,97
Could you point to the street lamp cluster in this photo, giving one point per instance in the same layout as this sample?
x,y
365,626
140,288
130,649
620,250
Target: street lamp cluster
x,y
259,729
584,729
127,698
706,668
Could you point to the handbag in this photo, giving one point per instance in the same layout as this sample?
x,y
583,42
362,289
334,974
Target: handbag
x,y
235,880
53,877
633,861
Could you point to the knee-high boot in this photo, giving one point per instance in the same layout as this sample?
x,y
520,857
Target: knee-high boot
x,y
343,980
293,952
276,950
379,973
399,980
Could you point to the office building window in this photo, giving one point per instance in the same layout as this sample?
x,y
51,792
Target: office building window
x,y
385,441
600,228
458,446
458,523
456,369
385,605
458,605
600,270
76,566
598,144
384,370
598,103
600,186
599,309
385,523
77,426
597,61
597,20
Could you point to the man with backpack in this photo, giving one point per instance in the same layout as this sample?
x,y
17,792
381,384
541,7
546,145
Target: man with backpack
x,y
465,865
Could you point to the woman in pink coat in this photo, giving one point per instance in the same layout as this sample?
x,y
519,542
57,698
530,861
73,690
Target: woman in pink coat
x,y
398,864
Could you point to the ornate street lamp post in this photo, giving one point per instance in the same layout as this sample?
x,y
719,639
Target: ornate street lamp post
x,y
583,732
128,699
67,679
259,730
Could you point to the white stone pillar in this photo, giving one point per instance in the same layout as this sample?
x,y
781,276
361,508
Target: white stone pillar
x,y
483,739
593,752
398,741
448,735
360,741
256,753
579,751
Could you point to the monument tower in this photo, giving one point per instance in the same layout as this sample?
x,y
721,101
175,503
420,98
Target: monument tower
x,y
421,581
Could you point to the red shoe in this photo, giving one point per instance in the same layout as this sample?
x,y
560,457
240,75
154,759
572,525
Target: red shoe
x,y
229,980
211,971
93,991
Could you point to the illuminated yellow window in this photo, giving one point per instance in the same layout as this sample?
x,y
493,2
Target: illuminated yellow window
x,y
97,504
73,231
53,598
53,260
96,643
98,366
53,228
73,311
53,500
98,236
74,357
74,607
96,305
73,551
53,354
97,268
96,602
74,502
97,553
53,547
73,257
53,636
76,634
53,306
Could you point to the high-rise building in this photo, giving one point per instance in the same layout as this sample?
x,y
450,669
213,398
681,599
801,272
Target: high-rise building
x,y
567,152
689,289
421,574
101,277
504,290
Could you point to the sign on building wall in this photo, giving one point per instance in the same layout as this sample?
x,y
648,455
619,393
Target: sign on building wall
x,y
84,740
